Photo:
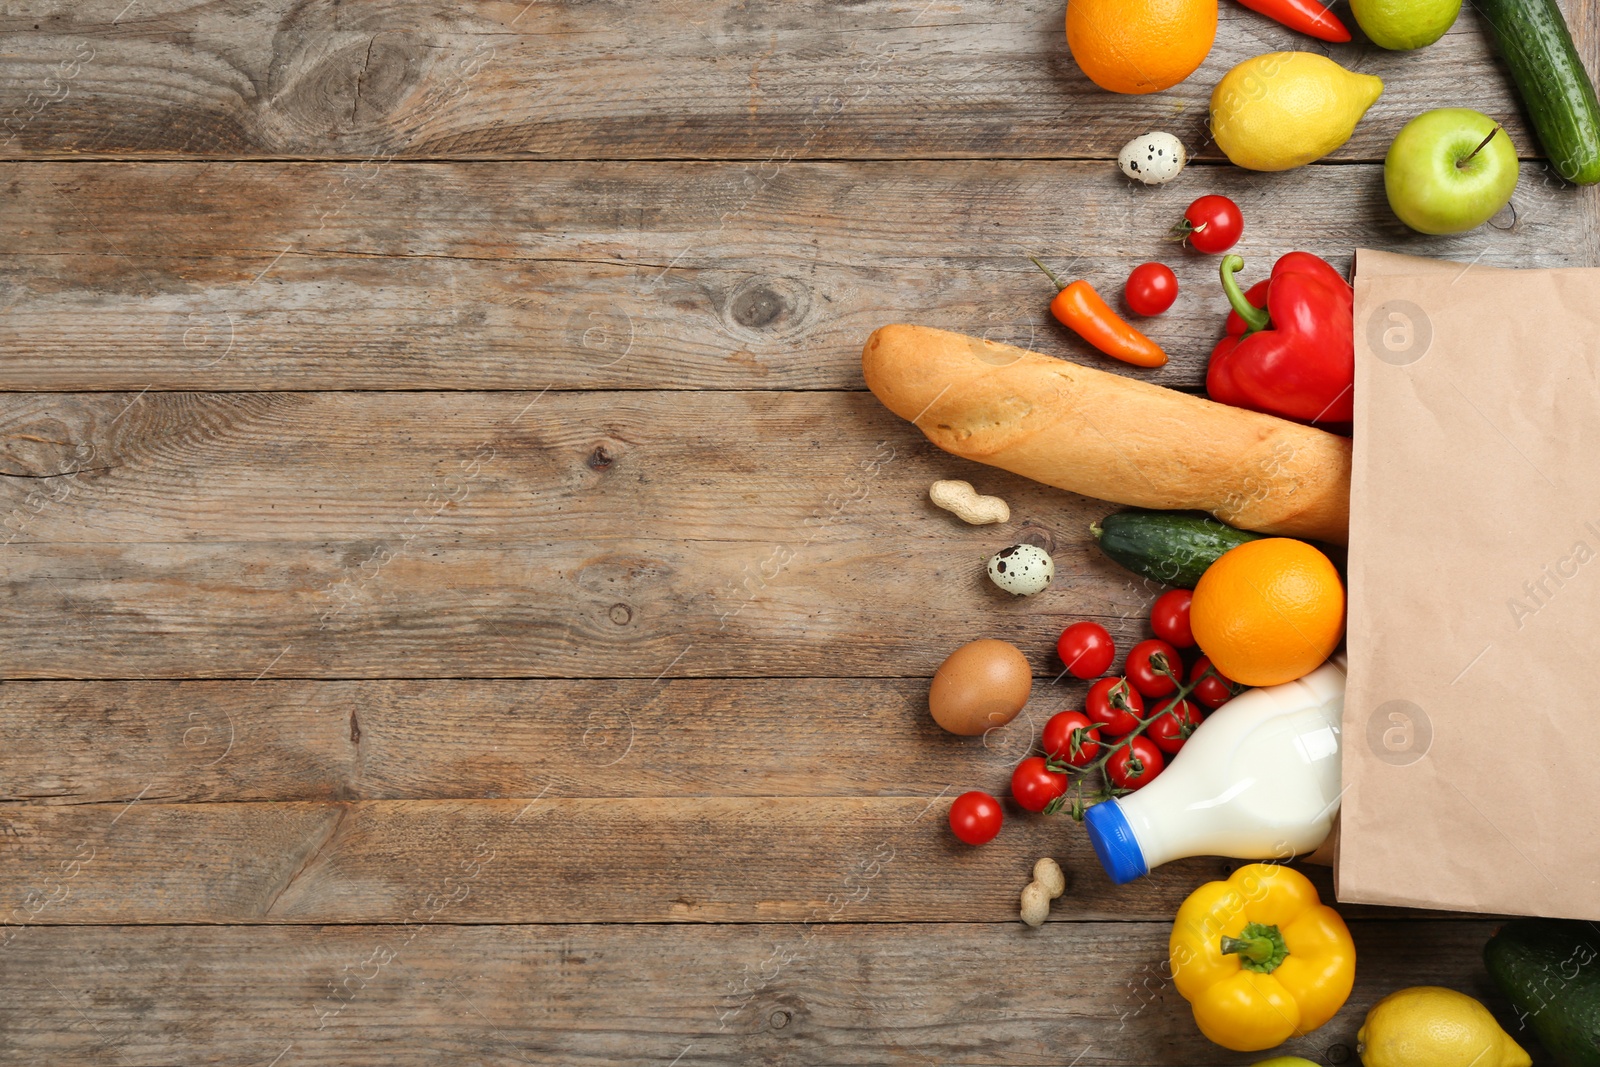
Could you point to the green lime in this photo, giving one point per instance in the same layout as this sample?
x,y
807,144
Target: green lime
x,y
1401,25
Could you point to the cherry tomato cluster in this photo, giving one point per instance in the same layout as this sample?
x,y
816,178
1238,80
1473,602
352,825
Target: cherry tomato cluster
x,y
1212,225
1130,726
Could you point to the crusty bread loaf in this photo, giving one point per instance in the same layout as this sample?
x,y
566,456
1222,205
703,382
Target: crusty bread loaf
x,y
1112,437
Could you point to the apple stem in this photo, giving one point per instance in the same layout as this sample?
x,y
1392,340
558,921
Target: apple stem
x,y
1480,147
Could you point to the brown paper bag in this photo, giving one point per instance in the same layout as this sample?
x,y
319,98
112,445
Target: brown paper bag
x,y
1472,712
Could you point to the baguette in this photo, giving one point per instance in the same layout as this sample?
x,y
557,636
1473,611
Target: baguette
x,y
1115,438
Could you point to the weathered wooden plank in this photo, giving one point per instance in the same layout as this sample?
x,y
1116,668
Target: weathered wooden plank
x,y
555,859
581,608
757,859
584,80
601,535
104,742
513,467
500,467
693,996
664,275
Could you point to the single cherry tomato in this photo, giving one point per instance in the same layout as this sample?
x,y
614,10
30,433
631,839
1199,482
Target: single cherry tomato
x,y
1115,705
1211,224
1154,668
1169,618
1134,764
1086,649
1070,737
1150,289
1216,690
975,817
1035,785
1173,723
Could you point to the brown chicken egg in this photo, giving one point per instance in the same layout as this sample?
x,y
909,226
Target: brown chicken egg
x,y
981,686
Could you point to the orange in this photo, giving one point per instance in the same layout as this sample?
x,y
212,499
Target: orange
x,y
1140,46
1268,611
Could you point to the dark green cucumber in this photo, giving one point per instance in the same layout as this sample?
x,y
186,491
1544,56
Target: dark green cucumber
x,y
1550,971
1170,547
1537,46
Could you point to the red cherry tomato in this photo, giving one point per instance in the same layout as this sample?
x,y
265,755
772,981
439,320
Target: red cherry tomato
x,y
1154,668
1169,618
1212,224
1115,705
975,817
1151,289
1135,763
1172,724
1086,649
1070,737
1216,690
1035,785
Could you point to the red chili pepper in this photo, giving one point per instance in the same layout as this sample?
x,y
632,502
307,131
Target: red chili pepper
x,y
1290,344
1307,16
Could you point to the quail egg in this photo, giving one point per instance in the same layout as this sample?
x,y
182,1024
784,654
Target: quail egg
x,y
1022,569
1155,159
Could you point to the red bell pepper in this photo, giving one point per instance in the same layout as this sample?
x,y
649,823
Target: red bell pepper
x,y
1290,343
1307,16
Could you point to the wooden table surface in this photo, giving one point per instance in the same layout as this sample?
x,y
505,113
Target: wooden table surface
x,y
462,605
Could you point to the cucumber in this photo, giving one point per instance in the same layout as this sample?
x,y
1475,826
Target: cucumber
x,y
1170,547
1550,971
1537,46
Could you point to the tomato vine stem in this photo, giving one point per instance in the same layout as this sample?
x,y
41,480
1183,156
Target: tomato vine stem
x,y
1076,797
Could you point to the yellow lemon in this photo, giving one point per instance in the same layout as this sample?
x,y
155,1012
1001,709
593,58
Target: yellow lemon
x,y
1438,1027
1285,109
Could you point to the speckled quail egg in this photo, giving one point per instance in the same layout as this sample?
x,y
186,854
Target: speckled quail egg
x,y
1155,159
1022,569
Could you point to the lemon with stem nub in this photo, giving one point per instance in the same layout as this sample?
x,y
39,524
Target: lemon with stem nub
x,y
1438,1027
1285,109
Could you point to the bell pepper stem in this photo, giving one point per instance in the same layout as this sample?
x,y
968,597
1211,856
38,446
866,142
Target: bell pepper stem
x,y
1254,318
1254,949
1259,947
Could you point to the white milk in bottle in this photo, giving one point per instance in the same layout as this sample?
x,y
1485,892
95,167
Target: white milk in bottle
x,y
1258,779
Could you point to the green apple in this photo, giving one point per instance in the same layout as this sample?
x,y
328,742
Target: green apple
x,y
1450,170
1401,25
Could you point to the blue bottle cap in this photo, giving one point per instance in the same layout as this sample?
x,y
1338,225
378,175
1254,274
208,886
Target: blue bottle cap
x,y
1114,842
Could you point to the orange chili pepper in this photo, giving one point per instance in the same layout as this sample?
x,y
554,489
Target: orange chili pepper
x,y
1082,310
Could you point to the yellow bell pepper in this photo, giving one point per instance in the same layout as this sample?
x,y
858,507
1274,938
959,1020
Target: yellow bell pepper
x,y
1260,958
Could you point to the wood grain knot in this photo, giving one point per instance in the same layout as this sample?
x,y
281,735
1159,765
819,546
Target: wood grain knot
x,y
758,307
767,309
620,614
779,1019
1031,533
331,82
600,459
